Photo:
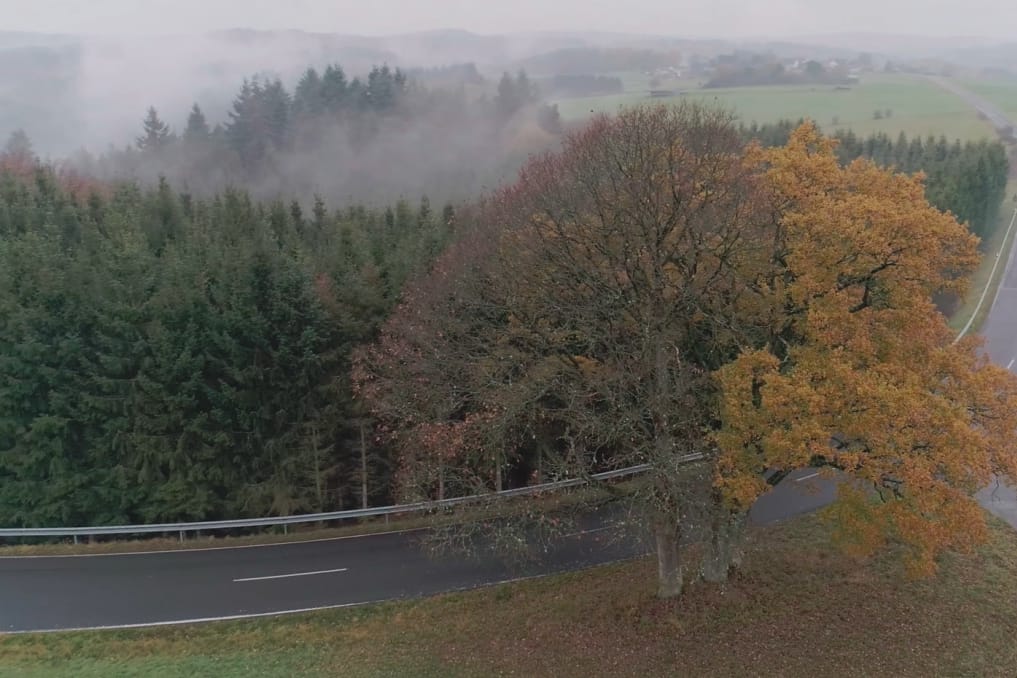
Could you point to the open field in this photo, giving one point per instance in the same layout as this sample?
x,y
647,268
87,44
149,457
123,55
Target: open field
x,y
918,106
799,605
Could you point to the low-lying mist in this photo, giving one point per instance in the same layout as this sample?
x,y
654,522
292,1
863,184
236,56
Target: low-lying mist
x,y
370,140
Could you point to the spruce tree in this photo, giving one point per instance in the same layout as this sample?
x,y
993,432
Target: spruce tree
x,y
18,148
157,135
197,131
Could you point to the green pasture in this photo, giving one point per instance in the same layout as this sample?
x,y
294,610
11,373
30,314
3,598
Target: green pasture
x,y
916,106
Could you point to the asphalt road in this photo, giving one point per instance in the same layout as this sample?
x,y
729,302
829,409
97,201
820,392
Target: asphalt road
x,y
1000,328
1000,334
98,591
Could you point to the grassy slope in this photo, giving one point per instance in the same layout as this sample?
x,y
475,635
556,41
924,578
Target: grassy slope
x,y
919,107
798,609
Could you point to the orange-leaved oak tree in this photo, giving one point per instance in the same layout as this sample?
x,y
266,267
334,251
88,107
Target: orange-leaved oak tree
x,y
860,372
659,293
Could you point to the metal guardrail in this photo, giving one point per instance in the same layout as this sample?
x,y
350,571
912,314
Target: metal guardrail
x,y
182,528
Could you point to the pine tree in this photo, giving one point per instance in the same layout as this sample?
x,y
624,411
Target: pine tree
x,y
308,102
197,131
276,103
507,102
157,135
335,91
18,149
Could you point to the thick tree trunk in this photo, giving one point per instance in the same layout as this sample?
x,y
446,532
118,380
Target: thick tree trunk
x,y
669,567
724,546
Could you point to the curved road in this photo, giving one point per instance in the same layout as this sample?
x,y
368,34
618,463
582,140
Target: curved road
x,y
1000,329
1000,334
123,590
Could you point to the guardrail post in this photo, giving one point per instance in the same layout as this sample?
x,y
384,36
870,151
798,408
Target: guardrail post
x,y
181,536
286,528
75,540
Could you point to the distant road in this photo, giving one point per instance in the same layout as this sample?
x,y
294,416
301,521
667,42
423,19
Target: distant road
x,y
1000,334
1000,329
997,118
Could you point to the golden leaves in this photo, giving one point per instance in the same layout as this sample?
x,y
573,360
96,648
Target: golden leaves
x,y
864,374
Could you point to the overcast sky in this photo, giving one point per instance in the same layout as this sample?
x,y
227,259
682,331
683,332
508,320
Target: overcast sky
x,y
691,18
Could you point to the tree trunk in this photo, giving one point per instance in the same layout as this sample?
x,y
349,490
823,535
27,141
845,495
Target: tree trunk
x,y
319,494
540,463
669,568
363,467
724,546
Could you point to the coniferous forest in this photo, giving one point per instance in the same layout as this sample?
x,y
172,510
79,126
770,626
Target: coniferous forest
x,y
164,357
178,320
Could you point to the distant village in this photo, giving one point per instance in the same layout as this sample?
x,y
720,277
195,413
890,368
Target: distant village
x,y
752,68
747,68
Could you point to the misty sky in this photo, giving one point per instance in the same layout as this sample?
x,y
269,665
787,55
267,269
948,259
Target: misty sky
x,y
691,18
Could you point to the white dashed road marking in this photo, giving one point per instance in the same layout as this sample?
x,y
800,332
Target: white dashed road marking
x,y
295,574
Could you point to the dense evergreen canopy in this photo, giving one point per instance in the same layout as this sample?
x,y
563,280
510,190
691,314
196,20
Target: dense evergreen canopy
x,y
166,358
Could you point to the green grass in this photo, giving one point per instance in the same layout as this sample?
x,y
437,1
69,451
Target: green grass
x,y
918,106
799,608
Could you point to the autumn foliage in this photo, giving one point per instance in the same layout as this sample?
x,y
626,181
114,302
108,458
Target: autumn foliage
x,y
659,290
863,374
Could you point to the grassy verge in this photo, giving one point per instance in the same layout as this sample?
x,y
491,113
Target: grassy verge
x,y
981,278
799,608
